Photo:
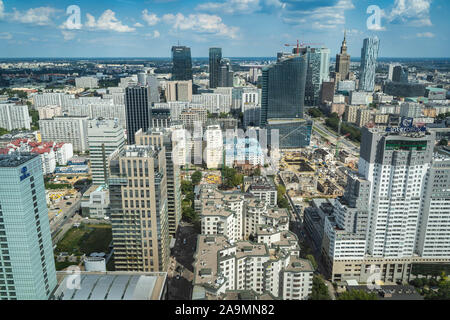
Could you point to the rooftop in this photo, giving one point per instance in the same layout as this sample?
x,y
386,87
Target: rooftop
x,y
15,159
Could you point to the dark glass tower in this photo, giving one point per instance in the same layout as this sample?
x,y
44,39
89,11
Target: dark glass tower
x,y
182,63
138,110
283,88
215,56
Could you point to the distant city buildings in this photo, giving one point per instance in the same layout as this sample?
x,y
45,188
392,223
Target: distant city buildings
x,y
86,82
179,91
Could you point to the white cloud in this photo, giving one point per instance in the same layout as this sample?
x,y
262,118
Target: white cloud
x,y
412,12
240,6
324,17
151,18
2,9
154,35
68,35
426,35
138,25
6,36
201,23
41,16
107,21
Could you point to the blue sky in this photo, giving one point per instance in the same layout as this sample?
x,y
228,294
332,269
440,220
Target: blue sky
x,y
253,28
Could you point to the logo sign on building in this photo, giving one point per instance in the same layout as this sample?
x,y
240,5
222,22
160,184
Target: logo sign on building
x,y
24,173
406,126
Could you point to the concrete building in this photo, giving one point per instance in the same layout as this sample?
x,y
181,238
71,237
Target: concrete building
x,y
214,147
14,116
164,138
51,99
214,102
138,197
363,117
262,188
105,137
95,203
411,110
72,130
86,82
179,91
361,98
192,117
28,265
49,112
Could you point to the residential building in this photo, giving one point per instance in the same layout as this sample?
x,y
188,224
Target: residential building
x,y
105,137
48,112
86,82
363,117
71,130
214,147
138,207
95,202
369,56
14,116
262,188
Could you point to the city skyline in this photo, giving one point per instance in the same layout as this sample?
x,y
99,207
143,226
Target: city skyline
x,y
254,28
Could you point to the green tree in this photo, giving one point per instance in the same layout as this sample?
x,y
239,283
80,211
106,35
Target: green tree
x,y
358,295
315,112
319,289
186,187
311,258
196,177
443,142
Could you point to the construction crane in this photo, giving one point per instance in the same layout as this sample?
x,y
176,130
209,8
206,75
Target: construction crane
x,y
303,44
338,142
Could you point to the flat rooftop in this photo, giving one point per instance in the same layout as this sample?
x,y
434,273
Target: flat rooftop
x,y
15,159
111,286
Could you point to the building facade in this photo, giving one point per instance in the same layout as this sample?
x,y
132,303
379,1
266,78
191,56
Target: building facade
x,y
369,56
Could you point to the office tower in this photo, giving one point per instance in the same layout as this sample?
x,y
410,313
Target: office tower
x,y
153,84
391,70
343,60
179,91
318,71
327,90
226,74
215,57
138,206
400,74
182,63
369,56
163,138
26,256
66,129
283,88
251,108
13,116
105,137
138,110
142,79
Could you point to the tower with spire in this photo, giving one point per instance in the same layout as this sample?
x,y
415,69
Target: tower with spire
x,y
343,60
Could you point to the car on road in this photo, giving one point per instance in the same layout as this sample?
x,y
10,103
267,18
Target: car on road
x,y
178,277
69,203
184,241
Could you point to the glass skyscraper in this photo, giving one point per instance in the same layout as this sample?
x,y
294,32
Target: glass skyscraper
x,y
369,56
138,110
182,63
283,88
27,266
318,71
215,56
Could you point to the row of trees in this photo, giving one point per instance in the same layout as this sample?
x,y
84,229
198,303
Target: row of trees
x,y
315,112
432,288
333,123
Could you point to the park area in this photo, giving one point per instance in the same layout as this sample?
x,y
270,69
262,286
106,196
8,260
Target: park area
x,y
85,239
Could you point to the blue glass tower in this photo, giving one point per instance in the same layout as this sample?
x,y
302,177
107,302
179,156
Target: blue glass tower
x,y
27,266
182,63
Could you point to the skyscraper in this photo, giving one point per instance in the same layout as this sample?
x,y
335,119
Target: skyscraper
x,y
283,88
400,74
26,257
138,110
369,56
163,138
343,60
225,74
138,206
215,56
105,137
182,63
318,71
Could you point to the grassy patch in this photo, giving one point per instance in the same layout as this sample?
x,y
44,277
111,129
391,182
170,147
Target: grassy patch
x,y
85,240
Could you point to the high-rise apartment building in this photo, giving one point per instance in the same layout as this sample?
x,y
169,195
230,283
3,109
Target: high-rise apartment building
x,y
343,60
283,88
318,71
14,116
138,110
105,137
214,147
215,57
26,257
138,206
66,129
163,138
182,63
369,56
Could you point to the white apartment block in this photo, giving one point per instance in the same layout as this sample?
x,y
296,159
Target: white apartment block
x,y
214,102
66,129
49,111
411,110
14,116
361,98
262,188
51,99
214,147
86,82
